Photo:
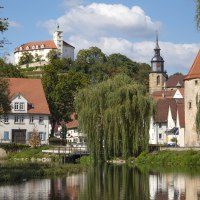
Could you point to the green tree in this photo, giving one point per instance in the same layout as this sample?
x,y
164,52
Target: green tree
x,y
4,97
60,89
3,27
26,58
115,115
53,55
8,70
88,57
198,14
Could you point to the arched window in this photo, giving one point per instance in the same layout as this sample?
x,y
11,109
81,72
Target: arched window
x,y
158,80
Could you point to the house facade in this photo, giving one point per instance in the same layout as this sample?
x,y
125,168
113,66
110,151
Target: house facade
x,y
29,113
41,49
74,135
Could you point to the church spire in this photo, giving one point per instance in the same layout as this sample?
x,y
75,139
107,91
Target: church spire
x,y
157,62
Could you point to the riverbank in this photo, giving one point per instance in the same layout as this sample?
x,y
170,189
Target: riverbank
x,y
169,158
32,163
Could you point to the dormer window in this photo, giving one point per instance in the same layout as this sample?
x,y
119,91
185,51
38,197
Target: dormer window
x,y
36,46
27,48
42,46
20,48
33,47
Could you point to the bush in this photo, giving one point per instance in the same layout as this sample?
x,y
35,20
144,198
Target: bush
x,y
57,141
13,147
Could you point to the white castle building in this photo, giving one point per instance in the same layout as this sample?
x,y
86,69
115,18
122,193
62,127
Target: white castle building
x,y
42,48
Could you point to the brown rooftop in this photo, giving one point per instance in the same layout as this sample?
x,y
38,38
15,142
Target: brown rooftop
x,y
175,80
195,69
32,90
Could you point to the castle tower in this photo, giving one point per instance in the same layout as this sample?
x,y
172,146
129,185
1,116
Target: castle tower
x,y
157,76
192,97
58,40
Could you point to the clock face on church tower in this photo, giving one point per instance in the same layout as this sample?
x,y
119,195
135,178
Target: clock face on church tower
x,y
158,66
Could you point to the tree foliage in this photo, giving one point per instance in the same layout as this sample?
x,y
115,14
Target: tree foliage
x,y
26,58
198,14
8,70
4,97
60,89
115,115
100,67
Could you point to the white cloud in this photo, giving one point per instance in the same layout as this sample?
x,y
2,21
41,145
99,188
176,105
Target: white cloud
x,y
116,28
177,57
105,20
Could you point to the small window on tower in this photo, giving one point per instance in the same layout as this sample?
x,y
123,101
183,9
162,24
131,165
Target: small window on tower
x,y
158,80
190,105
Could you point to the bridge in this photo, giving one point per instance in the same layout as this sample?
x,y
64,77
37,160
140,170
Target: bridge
x,y
68,151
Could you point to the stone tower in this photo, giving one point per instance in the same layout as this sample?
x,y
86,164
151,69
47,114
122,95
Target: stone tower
x,y
157,76
192,96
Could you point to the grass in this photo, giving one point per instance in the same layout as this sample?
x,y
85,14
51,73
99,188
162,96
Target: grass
x,y
170,158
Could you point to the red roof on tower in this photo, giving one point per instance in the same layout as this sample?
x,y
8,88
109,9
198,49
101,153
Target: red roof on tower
x,y
195,69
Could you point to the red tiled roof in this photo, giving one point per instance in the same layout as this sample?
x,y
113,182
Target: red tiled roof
x,y
173,80
32,90
163,94
48,44
162,108
195,69
73,123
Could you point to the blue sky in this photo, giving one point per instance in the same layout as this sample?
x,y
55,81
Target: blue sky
x,y
126,27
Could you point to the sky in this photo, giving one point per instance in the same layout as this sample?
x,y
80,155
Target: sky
x,y
115,26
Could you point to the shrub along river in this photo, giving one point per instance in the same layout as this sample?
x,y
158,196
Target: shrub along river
x,y
110,182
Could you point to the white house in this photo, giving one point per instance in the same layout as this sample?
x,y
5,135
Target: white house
x,y
74,136
29,112
42,48
169,121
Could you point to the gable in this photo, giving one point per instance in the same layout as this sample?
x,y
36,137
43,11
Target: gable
x,y
31,90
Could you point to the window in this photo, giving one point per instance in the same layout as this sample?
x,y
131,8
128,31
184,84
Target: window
x,y
6,136
196,82
42,136
19,106
16,106
160,135
6,119
31,119
41,119
160,125
190,105
158,80
19,119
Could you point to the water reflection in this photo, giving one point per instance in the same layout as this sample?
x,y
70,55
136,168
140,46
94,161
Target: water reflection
x,y
108,183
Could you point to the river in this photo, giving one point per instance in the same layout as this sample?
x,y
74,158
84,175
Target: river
x,y
118,182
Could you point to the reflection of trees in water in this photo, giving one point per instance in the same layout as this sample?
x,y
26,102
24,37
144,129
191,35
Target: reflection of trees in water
x,y
117,183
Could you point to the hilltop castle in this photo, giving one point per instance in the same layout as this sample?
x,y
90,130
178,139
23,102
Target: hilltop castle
x,y
42,48
176,100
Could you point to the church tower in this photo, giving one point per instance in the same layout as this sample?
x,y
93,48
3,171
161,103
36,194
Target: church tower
x,y
157,76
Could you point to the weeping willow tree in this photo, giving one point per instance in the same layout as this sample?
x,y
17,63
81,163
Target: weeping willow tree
x,y
115,115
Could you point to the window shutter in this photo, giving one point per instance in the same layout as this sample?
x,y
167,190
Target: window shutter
x,y
6,135
44,136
